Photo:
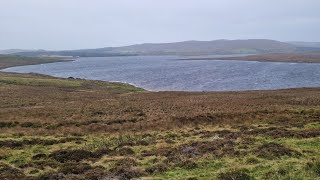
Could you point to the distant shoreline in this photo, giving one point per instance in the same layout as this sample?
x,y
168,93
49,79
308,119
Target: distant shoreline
x,y
14,61
277,57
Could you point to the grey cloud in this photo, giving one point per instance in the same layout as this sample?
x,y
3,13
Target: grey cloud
x,y
73,24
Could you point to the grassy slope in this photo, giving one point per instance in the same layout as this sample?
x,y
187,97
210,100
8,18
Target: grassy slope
x,y
10,61
74,128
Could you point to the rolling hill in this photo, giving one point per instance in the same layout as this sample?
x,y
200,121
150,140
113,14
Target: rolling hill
x,y
12,51
250,46
210,47
305,44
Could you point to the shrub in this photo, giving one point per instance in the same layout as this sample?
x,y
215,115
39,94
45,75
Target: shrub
x,y
8,124
30,125
71,155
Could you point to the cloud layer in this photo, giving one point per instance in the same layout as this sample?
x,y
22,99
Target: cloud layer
x,y
73,24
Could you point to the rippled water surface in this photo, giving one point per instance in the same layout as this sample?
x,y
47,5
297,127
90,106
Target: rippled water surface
x,y
166,73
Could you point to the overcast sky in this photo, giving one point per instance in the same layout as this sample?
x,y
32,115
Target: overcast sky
x,y
74,24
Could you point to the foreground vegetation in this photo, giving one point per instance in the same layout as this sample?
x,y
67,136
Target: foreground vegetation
x,y
75,129
54,128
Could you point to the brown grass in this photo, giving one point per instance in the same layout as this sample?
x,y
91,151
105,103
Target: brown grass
x,y
94,107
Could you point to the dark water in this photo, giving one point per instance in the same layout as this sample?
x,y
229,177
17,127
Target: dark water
x,y
165,73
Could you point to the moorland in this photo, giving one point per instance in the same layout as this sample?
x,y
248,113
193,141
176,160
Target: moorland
x,y
58,128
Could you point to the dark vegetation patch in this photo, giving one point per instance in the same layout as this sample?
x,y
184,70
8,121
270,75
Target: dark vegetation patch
x,y
126,169
74,168
46,142
102,151
314,166
8,124
123,151
158,168
235,175
252,160
208,118
275,132
78,155
285,118
34,171
218,148
41,164
247,141
30,125
126,162
71,155
275,151
141,142
76,171
227,134
39,157
96,173
275,174
51,176
187,164
124,173
7,173
92,122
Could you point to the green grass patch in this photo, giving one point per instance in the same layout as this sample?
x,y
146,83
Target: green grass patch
x,y
315,125
11,61
121,87
39,82
205,170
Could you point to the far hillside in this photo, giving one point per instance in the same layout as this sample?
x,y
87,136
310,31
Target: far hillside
x,y
250,46
210,47
306,44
